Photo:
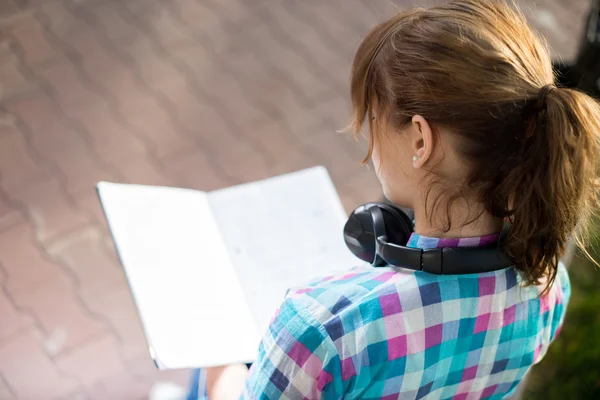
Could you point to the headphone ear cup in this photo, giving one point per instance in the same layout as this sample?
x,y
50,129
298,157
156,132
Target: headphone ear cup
x,y
398,225
359,231
359,234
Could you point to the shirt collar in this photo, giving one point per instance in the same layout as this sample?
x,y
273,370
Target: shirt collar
x,y
428,242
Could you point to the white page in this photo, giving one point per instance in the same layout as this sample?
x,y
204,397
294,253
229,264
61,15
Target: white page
x,y
189,299
281,233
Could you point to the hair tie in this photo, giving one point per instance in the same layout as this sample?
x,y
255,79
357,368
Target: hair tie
x,y
543,96
536,110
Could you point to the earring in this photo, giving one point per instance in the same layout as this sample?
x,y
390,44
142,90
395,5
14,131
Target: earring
x,y
415,158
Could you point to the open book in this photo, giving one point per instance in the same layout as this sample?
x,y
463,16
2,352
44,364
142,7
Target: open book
x,y
208,270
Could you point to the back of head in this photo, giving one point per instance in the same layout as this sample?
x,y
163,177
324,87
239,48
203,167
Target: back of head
x,y
477,68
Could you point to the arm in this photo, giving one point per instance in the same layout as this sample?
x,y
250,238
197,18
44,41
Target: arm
x,y
297,358
226,383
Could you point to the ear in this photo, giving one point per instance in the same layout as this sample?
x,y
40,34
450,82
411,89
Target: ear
x,y
422,140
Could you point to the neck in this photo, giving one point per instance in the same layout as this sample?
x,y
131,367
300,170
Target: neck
x,y
462,221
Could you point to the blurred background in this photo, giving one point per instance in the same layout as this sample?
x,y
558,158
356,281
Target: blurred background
x,y
201,94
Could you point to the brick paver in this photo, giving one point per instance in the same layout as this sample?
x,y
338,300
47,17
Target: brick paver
x,y
196,93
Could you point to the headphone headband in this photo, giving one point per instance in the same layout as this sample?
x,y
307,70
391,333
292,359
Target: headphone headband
x,y
374,232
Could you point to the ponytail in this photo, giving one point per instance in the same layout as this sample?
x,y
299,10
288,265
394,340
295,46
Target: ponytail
x,y
554,186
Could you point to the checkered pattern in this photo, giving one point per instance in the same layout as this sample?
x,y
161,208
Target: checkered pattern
x,y
392,333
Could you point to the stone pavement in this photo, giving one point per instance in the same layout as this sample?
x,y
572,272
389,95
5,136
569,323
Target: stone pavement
x,y
201,94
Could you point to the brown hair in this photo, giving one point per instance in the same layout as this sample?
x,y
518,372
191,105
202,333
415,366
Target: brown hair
x,y
476,67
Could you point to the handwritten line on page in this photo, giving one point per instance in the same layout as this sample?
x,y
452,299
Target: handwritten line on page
x,y
208,270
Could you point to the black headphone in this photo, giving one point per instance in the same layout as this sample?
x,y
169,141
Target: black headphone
x,y
376,233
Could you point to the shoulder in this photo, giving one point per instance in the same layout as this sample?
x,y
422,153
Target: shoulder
x,y
555,302
359,307
564,283
358,313
331,296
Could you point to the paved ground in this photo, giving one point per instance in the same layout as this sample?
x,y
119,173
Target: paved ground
x,y
201,94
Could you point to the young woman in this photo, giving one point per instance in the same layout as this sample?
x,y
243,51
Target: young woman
x,y
467,128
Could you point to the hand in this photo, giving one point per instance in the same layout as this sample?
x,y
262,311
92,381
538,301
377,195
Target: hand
x,y
227,382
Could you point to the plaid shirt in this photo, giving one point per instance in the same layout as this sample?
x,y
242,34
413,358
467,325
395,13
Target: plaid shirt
x,y
393,333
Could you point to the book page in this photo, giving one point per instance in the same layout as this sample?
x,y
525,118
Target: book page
x,y
189,299
281,233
